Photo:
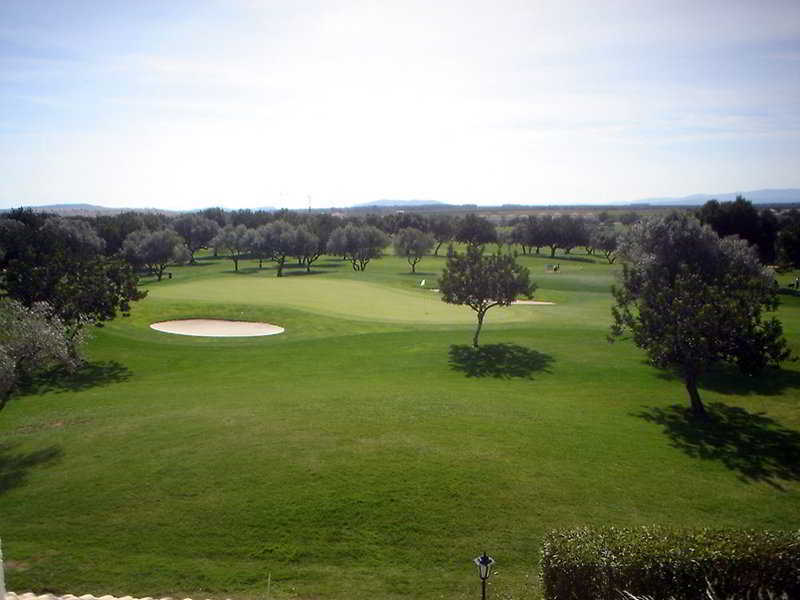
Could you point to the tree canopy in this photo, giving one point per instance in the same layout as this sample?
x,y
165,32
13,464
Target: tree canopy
x,y
412,244
358,244
473,230
482,282
197,232
155,250
31,339
274,241
60,261
741,218
234,241
692,299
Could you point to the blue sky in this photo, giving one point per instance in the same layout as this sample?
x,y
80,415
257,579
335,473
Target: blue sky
x,y
242,103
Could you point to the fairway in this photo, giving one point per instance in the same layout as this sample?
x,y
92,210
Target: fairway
x,y
368,451
344,298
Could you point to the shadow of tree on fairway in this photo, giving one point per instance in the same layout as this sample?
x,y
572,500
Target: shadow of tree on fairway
x,y
14,467
756,447
91,374
727,379
498,360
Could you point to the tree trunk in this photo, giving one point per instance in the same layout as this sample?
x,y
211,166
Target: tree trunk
x,y
280,268
413,266
436,252
553,251
235,264
478,330
698,410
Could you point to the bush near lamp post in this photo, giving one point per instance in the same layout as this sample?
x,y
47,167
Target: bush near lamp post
x,y
660,563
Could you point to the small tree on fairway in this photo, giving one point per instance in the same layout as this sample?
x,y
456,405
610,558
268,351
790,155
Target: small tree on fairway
x,y
413,244
692,299
442,229
306,247
606,240
233,241
196,231
278,239
482,282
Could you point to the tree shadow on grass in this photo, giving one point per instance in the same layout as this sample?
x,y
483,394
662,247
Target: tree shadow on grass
x,y
754,446
498,360
786,291
91,374
303,273
727,379
14,467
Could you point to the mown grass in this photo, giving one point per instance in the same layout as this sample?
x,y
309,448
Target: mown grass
x,y
368,451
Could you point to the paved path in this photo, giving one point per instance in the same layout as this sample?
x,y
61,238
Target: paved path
x,y
13,596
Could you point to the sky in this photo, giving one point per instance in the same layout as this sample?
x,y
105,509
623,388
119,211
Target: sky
x,y
186,104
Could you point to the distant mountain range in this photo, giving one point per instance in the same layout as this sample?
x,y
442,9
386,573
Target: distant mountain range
x,y
755,196
400,203
768,196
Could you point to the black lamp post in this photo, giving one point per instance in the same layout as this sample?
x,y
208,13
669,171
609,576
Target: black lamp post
x,y
484,563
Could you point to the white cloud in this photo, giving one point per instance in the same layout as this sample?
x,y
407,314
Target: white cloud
x,y
245,104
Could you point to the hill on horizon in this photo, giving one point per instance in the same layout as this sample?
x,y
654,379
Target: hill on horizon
x,y
765,196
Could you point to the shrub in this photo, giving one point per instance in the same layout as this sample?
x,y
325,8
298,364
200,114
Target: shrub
x,y
660,563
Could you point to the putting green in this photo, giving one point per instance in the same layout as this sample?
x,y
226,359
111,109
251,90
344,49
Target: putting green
x,y
340,297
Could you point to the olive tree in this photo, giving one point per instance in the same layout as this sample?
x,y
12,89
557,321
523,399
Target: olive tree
x,y
306,247
196,231
275,241
691,300
234,241
413,244
154,250
442,229
358,244
605,239
482,282
31,339
474,230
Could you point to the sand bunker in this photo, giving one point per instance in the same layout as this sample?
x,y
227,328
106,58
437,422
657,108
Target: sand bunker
x,y
533,302
216,328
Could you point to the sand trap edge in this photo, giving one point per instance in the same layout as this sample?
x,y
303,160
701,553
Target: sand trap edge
x,y
216,328
536,302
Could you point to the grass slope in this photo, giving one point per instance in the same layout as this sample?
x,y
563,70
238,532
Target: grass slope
x,y
368,452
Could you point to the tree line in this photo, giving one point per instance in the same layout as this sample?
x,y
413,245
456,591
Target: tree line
x,y
59,274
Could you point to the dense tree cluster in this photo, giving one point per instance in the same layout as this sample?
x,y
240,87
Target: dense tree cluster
x,y
62,261
554,232
741,218
357,243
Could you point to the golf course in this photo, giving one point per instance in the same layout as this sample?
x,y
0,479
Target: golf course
x,y
368,450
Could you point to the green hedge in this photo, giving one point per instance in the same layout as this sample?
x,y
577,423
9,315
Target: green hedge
x,y
601,563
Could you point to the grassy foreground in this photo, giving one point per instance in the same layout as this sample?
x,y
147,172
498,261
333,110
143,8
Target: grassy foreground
x,y
368,451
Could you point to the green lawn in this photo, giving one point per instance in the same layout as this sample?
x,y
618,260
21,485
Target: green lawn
x,y
368,452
